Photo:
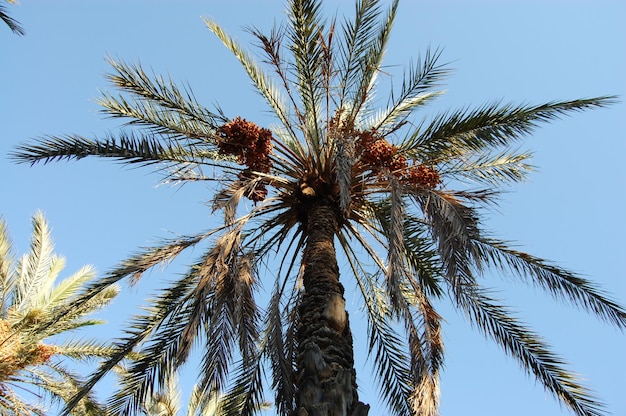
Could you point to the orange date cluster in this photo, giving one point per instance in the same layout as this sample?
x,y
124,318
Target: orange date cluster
x,y
251,145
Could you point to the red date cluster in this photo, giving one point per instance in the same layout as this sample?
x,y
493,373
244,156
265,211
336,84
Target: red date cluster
x,y
378,154
422,175
252,146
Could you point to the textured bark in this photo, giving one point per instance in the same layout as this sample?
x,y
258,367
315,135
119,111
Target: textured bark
x,y
326,378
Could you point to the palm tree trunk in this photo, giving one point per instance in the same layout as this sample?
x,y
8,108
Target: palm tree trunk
x,y
326,378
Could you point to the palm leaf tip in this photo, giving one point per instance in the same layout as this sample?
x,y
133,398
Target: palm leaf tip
x,y
13,24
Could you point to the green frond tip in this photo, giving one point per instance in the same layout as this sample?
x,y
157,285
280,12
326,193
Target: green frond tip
x,y
530,350
260,80
159,103
13,24
465,132
131,148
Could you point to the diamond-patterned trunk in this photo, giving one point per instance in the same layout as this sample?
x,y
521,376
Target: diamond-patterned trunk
x,y
326,378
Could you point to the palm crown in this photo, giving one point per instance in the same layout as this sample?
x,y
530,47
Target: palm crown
x,y
398,196
30,305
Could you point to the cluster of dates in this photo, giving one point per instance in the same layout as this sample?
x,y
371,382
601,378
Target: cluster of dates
x,y
379,155
17,354
251,145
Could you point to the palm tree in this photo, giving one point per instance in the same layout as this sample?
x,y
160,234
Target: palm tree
x,y
12,23
395,196
30,304
166,401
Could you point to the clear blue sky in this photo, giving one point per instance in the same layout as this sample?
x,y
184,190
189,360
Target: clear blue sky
x,y
572,210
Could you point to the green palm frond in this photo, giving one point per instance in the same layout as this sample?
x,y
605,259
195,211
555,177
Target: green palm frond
x,y
415,92
13,24
70,316
260,80
62,389
165,401
33,310
6,261
280,351
132,148
246,395
11,404
455,134
370,64
390,360
306,31
165,316
561,283
354,46
71,286
529,349
420,257
34,267
185,117
452,225
491,169
87,350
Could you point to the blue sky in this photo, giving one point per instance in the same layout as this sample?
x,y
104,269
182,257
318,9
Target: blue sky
x,y
571,211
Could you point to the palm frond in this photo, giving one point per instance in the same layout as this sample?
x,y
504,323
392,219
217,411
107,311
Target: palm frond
x,y
70,286
13,24
426,349
421,257
63,385
354,45
156,119
280,350
491,169
463,132
12,404
413,93
229,197
246,395
128,147
245,311
453,225
34,266
226,321
305,32
396,269
137,265
529,349
370,64
144,326
167,317
344,160
260,80
159,93
6,261
70,316
390,361
559,282
86,350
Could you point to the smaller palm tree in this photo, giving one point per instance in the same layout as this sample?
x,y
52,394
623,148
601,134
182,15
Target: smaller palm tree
x,y
34,312
166,400
12,23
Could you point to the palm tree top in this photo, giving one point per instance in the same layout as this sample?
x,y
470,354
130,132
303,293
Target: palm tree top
x,y
405,192
36,313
